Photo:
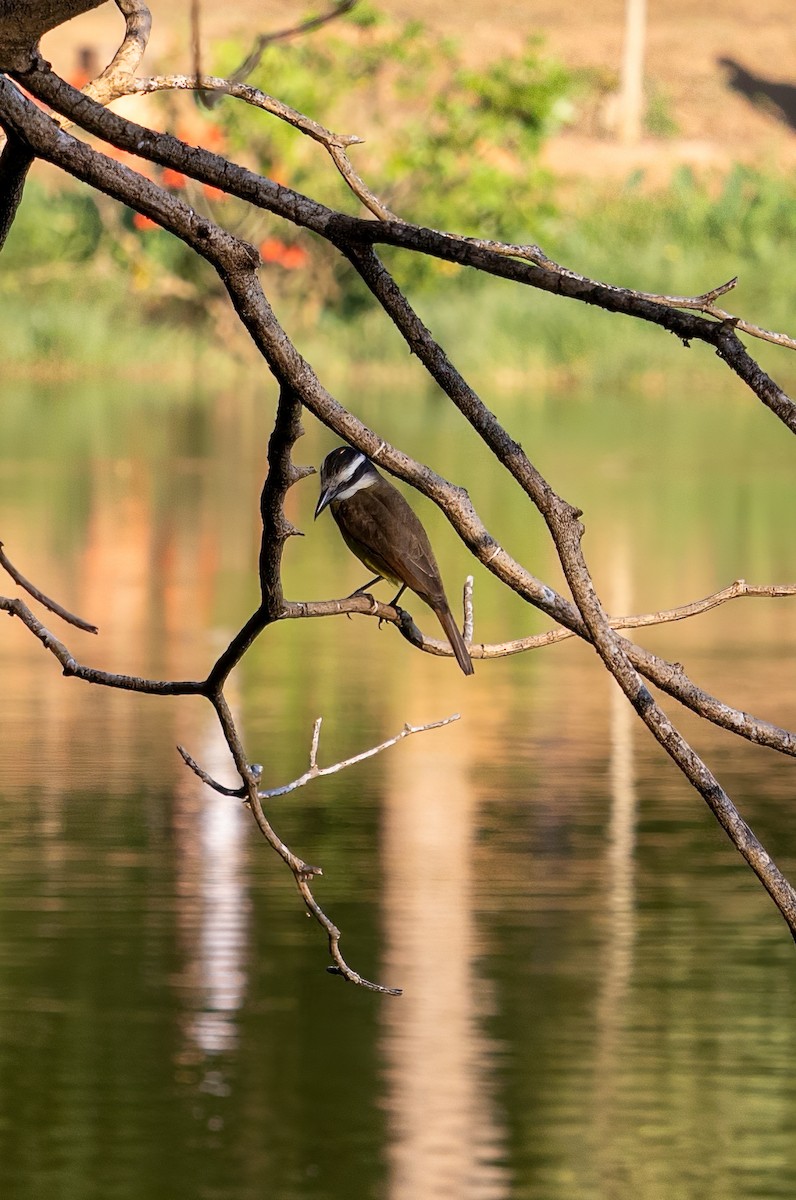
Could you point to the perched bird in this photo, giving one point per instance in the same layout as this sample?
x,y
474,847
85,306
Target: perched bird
x,y
381,529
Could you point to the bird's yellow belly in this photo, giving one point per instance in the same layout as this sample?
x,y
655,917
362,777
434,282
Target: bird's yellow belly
x,y
372,561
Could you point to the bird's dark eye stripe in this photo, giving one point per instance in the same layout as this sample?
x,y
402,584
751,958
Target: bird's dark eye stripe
x,y
362,469
349,466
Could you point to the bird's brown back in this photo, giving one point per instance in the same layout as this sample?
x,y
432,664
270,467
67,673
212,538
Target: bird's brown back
x,y
397,544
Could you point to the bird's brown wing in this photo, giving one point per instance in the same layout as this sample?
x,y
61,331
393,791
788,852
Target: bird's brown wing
x,y
396,543
384,533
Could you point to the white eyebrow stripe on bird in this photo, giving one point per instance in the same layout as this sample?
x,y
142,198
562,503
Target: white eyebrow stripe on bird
x,y
356,486
353,466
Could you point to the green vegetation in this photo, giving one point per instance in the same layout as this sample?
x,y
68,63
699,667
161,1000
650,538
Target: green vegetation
x,y
447,146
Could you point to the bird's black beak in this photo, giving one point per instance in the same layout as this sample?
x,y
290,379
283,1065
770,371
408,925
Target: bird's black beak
x,y
326,495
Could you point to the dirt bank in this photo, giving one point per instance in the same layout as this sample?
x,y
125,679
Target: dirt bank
x,y
712,123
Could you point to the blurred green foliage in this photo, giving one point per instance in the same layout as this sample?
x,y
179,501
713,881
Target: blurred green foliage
x,y
446,146
747,213
680,240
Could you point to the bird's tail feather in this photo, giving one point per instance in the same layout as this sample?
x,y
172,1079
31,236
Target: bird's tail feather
x,y
456,640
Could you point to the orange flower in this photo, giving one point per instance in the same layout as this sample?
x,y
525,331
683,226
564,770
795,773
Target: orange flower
x,y
115,152
173,179
294,257
142,222
213,138
213,193
271,250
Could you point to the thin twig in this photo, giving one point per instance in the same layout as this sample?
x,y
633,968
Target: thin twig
x,y
208,779
33,591
315,772
537,641
196,40
71,667
250,95
252,60
334,143
469,616
303,872
358,186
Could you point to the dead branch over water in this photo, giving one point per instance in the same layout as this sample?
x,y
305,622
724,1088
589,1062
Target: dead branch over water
x,y
34,134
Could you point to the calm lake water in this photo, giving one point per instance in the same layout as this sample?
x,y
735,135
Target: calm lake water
x,y
599,999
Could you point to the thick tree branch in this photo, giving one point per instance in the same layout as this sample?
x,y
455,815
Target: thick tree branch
x,y
282,474
24,22
15,160
562,521
115,80
236,265
567,533
350,231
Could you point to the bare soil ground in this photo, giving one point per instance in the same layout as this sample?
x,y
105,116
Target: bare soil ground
x,y
714,124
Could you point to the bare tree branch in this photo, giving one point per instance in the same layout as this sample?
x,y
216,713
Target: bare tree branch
x,y
704,303
335,143
315,772
33,591
352,231
238,792
562,521
276,530
346,231
114,81
244,288
252,60
537,641
303,873
15,160
250,95
567,533
24,22
236,264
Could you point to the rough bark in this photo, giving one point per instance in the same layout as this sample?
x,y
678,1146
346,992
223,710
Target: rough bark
x,y
24,22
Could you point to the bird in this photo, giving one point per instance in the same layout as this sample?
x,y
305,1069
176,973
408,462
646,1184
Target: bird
x,y
381,529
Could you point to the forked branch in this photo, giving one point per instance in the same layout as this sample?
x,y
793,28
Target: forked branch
x,y
236,264
315,772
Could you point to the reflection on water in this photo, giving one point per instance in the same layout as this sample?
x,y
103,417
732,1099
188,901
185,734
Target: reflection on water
x,y
213,908
446,1139
598,995
611,1012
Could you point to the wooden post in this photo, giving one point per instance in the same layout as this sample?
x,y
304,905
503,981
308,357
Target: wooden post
x,y
631,114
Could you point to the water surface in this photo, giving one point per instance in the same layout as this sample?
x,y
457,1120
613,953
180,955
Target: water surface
x,y
598,996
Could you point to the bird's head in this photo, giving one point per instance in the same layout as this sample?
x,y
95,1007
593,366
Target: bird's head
x,y
344,472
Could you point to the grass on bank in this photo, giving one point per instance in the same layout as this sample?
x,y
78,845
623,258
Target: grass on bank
x,y
86,313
